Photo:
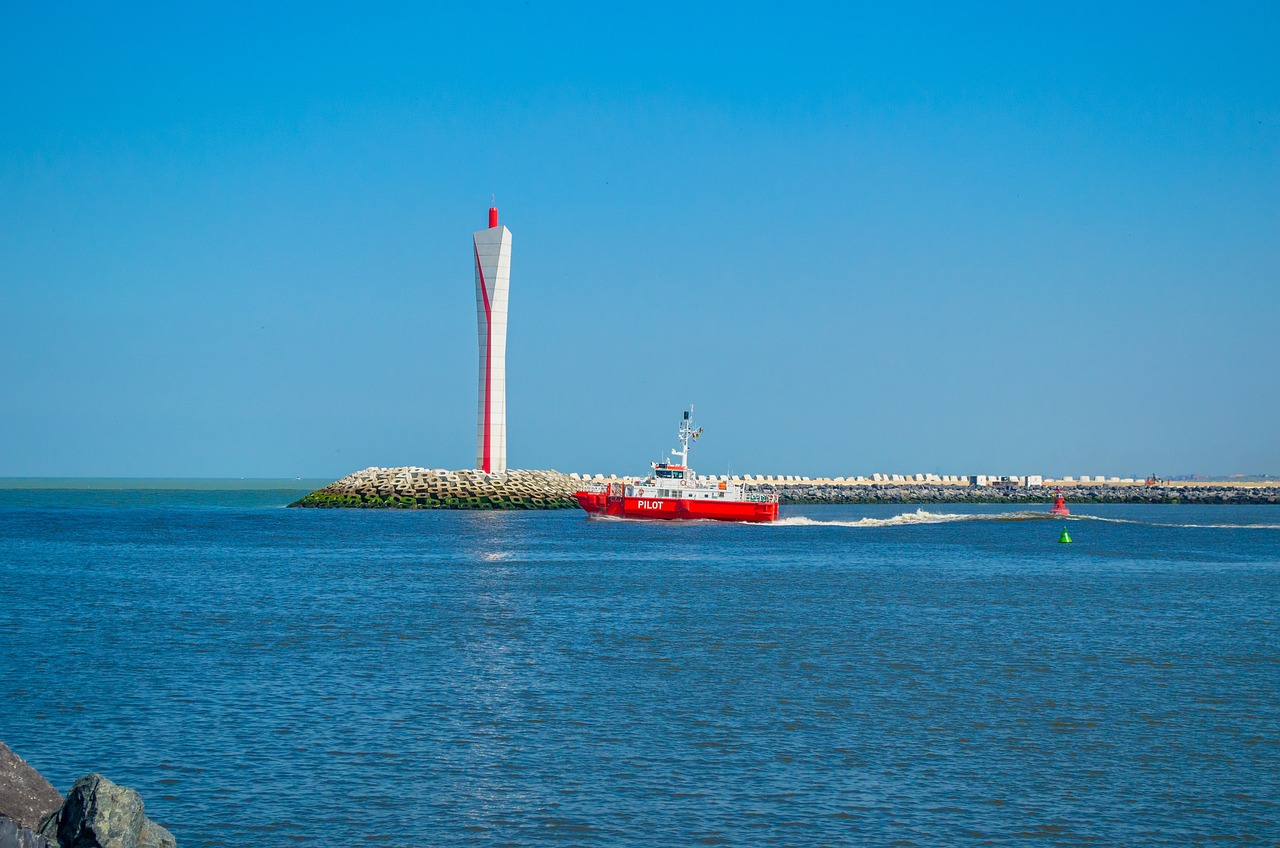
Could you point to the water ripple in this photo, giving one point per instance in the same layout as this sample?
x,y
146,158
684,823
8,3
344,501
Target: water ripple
x,y
264,675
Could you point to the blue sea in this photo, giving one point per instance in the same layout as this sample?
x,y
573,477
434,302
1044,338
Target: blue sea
x,y
853,675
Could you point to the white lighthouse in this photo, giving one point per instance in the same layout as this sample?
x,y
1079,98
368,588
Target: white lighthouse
x,y
493,273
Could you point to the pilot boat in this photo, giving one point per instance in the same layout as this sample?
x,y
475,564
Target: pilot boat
x,y
674,491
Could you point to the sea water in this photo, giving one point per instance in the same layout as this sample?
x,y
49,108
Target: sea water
x,y
850,675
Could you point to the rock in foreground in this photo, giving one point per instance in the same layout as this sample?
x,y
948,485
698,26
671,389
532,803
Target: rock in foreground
x,y
14,836
25,796
424,488
100,814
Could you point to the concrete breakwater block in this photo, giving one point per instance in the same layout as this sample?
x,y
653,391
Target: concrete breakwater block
x,y
435,488
924,493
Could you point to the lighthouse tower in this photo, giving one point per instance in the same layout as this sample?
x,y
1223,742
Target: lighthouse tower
x,y
493,273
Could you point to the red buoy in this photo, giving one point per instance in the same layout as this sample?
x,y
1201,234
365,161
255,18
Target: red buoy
x,y
1059,505
493,217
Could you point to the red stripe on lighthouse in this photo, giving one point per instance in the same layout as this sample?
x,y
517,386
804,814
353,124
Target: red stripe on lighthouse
x,y
488,359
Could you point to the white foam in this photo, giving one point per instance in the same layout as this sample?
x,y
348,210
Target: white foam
x,y
1189,526
922,516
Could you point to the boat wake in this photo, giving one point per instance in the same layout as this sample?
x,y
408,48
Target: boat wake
x,y
1163,524
921,516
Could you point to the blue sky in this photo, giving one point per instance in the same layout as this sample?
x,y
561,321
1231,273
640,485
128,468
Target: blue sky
x,y
236,241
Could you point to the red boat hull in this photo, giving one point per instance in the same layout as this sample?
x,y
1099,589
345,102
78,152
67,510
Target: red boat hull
x,y
619,506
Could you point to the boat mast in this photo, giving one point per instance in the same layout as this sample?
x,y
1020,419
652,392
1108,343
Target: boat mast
x,y
686,431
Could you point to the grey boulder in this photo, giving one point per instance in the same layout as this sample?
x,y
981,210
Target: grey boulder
x,y
100,814
14,835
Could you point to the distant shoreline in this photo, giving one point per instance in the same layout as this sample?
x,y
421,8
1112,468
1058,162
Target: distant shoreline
x,y
183,484
820,491
900,493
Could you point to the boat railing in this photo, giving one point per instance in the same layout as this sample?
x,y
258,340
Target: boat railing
x,y
603,487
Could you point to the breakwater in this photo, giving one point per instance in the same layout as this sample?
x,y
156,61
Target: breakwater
x,y
423,488
916,493
435,488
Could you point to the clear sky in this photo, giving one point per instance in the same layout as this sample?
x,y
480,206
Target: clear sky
x,y
235,238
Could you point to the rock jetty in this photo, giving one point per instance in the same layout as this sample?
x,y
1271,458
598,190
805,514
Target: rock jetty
x,y
821,492
95,814
426,488
423,488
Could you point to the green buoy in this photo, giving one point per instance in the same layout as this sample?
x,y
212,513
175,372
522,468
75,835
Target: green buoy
x,y
1065,539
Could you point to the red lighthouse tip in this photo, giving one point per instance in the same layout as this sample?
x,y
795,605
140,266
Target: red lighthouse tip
x,y
493,217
